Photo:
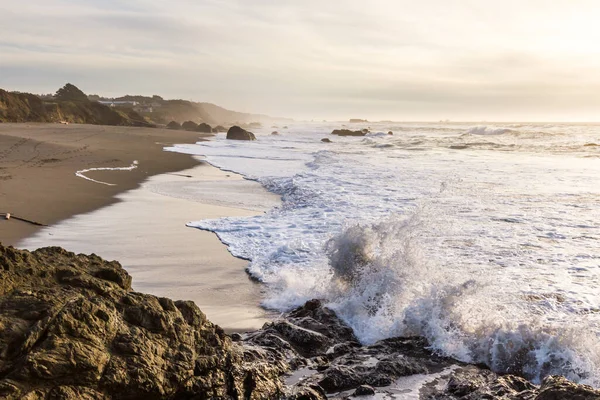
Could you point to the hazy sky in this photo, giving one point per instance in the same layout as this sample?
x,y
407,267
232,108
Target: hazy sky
x,y
333,59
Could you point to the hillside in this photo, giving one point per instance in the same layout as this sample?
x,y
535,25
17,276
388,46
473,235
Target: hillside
x,y
70,104
25,107
162,111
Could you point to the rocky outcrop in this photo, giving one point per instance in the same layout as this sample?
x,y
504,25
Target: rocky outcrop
x,y
72,328
204,128
237,133
174,125
189,126
348,132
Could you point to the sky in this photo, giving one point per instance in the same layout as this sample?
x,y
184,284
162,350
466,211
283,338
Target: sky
x,y
427,60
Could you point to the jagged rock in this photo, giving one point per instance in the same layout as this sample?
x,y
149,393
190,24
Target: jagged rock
x,y
71,328
326,140
204,128
237,133
348,132
364,390
558,387
313,392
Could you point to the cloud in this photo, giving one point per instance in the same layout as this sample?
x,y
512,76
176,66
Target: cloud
x,y
394,59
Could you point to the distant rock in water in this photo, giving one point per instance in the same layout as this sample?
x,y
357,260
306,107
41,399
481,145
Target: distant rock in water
x,y
326,140
274,133
174,125
357,120
219,129
204,128
189,125
237,133
390,133
348,132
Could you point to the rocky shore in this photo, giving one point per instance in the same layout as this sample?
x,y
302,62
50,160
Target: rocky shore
x,y
71,327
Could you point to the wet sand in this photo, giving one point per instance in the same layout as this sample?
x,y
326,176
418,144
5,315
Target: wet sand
x,y
140,222
38,164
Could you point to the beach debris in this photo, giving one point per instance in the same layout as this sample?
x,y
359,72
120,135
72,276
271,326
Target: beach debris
x,y
9,216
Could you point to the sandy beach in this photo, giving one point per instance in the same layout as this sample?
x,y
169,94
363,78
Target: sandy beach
x,y
38,164
141,221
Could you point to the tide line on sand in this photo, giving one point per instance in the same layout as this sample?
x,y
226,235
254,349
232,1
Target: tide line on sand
x,y
81,173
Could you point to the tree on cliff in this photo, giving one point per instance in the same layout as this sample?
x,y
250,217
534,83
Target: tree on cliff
x,y
70,92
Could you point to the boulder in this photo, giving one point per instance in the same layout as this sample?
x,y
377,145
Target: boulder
x,y
72,328
219,129
364,390
326,140
348,132
189,126
204,128
237,133
274,133
174,125
390,133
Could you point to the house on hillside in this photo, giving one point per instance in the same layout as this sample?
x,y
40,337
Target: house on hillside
x,y
112,103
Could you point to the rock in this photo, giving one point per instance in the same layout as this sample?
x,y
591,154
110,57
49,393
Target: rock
x,y
72,328
326,140
237,133
348,132
390,133
189,126
204,128
364,390
219,129
357,120
274,133
174,125
558,387
285,127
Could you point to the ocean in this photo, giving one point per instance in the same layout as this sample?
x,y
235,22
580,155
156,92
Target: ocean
x,y
485,240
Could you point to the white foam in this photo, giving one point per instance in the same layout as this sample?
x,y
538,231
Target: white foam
x,y
81,173
490,252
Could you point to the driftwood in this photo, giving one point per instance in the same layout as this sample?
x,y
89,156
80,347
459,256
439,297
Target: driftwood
x,y
9,216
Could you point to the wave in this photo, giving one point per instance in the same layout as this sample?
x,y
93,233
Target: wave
x,y
384,286
484,130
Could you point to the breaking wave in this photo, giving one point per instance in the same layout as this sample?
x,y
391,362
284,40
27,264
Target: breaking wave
x,y
383,285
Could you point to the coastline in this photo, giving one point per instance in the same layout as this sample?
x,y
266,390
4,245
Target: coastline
x,y
133,221
38,163
145,230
